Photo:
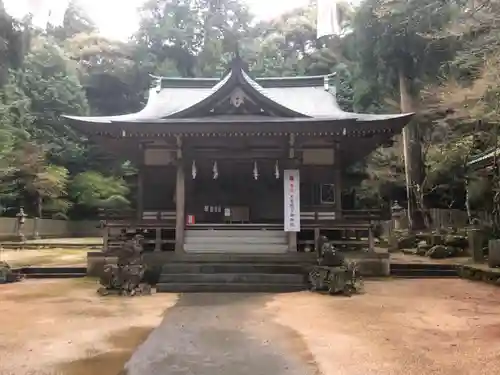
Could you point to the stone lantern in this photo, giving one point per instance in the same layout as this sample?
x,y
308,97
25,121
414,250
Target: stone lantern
x,y
397,214
21,220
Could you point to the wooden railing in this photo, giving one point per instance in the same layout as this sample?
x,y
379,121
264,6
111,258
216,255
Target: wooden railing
x,y
116,214
130,216
158,216
323,214
368,215
354,229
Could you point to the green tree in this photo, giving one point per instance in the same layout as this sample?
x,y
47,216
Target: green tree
x,y
94,190
76,21
14,41
50,80
400,46
112,79
31,181
194,36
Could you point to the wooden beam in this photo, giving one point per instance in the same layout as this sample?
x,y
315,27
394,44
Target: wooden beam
x,y
231,155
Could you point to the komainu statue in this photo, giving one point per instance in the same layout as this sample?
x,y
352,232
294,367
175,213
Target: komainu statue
x,y
8,275
125,276
334,273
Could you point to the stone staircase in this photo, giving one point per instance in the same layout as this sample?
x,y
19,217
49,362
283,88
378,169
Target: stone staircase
x,y
233,241
250,273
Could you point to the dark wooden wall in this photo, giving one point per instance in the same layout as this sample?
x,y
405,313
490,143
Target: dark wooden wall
x,y
158,188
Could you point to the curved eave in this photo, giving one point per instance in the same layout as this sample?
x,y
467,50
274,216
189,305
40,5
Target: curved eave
x,y
249,125
399,120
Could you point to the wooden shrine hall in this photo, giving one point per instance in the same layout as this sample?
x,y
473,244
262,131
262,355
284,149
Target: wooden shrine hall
x,y
241,164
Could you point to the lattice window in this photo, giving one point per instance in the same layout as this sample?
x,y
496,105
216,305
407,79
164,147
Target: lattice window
x,y
327,193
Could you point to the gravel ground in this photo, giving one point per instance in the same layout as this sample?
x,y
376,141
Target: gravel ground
x,y
398,327
63,327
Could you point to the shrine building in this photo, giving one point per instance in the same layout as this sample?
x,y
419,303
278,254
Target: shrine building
x,y
241,164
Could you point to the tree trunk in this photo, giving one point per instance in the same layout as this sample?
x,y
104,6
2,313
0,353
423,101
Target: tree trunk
x,y
38,205
467,201
412,151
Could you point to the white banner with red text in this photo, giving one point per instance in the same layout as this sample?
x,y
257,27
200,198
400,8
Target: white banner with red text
x,y
291,178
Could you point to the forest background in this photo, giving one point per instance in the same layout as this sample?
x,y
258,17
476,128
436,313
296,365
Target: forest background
x,y
438,58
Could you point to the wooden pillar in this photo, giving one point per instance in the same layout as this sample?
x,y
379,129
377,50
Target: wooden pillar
x,y
337,164
292,241
371,239
158,238
140,194
140,184
317,241
105,238
180,200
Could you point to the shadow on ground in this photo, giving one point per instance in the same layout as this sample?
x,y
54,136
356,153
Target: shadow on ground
x,y
110,363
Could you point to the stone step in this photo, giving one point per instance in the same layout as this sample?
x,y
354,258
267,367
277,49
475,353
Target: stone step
x,y
232,278
290,258
197,268
233,233
422,266
237,240
52,270
228,288
55,275
235,248
424,273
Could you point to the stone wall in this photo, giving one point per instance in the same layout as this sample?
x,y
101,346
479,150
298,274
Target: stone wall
x,y
48,228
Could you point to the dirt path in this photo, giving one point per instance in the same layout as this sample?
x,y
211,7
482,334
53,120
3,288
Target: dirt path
x,y
221,334
63,327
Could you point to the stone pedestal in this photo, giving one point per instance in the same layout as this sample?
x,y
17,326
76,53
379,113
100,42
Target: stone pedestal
x,y
494,253
372,264
95,263
36,225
